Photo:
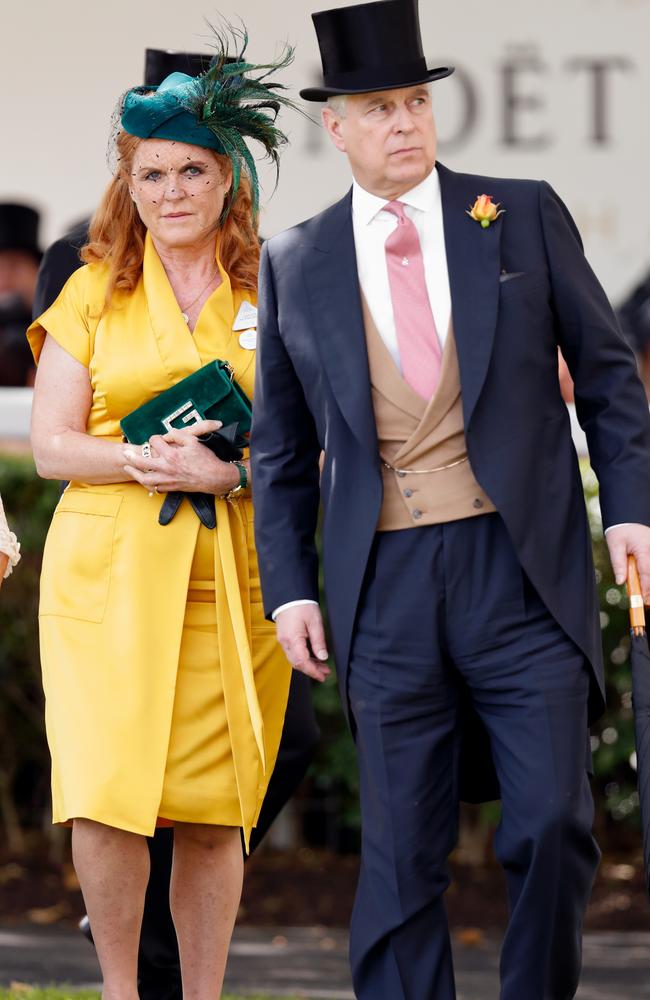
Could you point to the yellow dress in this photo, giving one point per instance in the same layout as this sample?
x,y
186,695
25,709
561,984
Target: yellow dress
x,y
165,687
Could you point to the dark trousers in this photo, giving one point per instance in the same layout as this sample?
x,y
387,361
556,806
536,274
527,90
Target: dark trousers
x,y
445,606
159,974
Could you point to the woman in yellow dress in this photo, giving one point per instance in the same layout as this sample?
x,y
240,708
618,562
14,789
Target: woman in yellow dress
x,y
165,688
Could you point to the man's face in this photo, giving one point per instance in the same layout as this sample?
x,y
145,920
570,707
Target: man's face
x,y
389,138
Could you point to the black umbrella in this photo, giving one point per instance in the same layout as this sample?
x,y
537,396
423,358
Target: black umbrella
x,y
640,660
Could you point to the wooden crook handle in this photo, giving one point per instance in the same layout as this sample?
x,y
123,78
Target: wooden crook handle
x,y
637,613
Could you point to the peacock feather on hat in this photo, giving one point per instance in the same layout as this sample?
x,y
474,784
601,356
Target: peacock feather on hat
x,y
233,101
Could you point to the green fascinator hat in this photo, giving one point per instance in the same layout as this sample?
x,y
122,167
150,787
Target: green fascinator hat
x,y
234,100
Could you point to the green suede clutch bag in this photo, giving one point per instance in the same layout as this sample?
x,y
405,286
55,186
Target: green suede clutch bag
x,y
211,393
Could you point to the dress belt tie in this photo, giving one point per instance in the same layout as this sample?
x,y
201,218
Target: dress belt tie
x,y
245,721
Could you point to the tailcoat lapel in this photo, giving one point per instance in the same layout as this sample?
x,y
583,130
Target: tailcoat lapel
x,y
330,270
473,261
330,273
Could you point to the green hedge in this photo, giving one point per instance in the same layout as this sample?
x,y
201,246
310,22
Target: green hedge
x,y
24,760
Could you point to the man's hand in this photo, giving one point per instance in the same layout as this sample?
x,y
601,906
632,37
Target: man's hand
x,y
302,637
630,539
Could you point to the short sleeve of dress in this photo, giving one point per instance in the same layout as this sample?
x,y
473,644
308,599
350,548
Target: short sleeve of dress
x,y
72,317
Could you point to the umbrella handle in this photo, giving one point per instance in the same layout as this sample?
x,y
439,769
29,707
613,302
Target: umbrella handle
x,y
637,613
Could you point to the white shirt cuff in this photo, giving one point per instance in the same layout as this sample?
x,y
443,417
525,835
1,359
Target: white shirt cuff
x,y
290,604
623,524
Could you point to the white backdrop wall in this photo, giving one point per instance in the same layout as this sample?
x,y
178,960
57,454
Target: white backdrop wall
x,y
557,89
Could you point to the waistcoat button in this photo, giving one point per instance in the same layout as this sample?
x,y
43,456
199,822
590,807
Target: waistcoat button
x,y
408,493
400,473
417,514
477,503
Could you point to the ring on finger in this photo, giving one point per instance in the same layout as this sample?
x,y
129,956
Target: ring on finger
x,y
146,450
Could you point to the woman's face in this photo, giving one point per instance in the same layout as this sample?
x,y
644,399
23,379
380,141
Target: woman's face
x,y
179,191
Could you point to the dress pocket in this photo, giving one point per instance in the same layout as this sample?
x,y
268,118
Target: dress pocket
x,y
78,556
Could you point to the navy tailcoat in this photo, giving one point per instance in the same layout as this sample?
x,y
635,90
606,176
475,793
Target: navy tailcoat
x,y
519,289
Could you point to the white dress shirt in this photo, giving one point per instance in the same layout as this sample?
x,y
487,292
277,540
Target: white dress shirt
x,y
372,227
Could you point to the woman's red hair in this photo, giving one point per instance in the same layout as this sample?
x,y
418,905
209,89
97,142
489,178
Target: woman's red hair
x,y
117,232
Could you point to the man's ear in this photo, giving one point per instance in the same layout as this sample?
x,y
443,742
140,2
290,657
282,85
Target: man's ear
x,y
332,124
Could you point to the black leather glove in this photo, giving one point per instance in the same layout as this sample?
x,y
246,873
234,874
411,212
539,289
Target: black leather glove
x,y
225,444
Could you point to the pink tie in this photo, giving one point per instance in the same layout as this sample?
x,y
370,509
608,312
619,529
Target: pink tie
x,y
417,337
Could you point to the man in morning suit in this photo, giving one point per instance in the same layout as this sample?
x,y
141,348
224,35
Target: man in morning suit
x,y
416,345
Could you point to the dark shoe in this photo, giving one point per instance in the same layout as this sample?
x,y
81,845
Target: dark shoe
x,y
84,927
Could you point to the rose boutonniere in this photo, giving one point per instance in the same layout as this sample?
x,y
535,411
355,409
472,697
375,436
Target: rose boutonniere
x,y
485,211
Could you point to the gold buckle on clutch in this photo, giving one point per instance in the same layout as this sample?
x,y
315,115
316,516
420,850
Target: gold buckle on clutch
x,y
193,417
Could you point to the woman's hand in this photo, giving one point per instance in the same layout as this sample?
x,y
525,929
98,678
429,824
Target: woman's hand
x,y
179,461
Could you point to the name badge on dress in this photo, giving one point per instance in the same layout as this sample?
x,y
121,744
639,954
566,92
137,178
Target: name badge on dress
x,y
246,317
248,340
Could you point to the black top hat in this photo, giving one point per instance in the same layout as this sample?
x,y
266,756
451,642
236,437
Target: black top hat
x,y
19,228
159,63
371,46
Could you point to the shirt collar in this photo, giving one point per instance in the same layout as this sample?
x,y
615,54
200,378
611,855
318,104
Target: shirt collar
x,y
365,206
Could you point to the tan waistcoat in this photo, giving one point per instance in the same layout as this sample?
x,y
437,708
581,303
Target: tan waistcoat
x,y
426,472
